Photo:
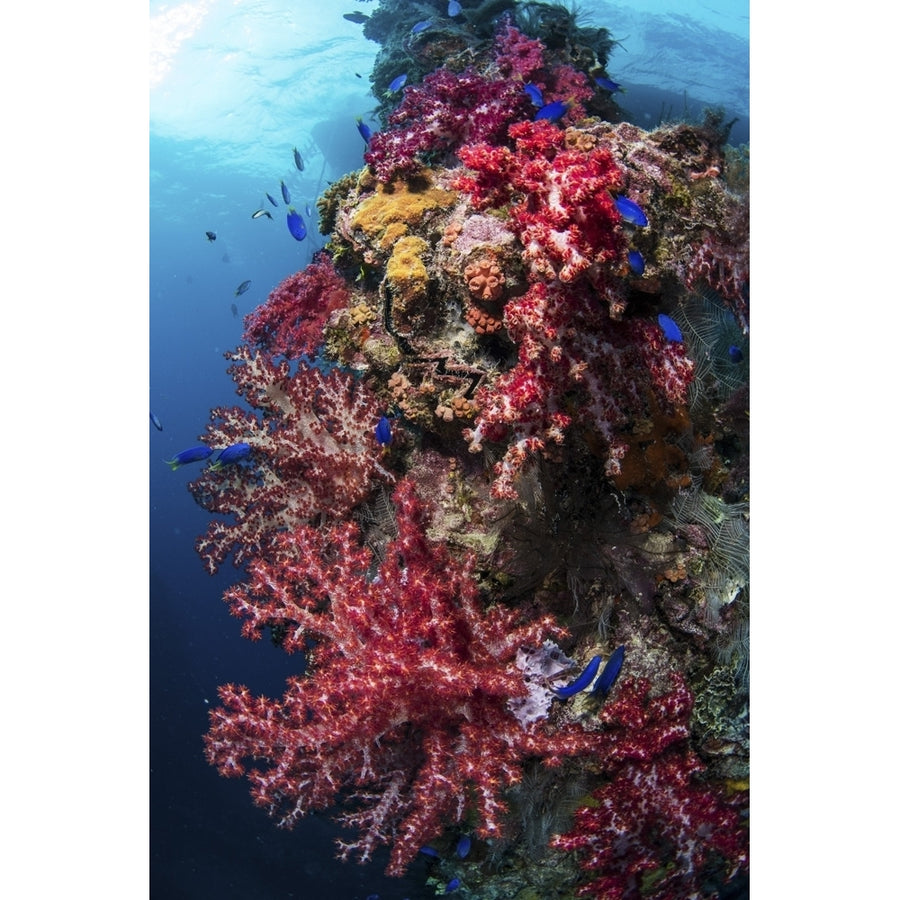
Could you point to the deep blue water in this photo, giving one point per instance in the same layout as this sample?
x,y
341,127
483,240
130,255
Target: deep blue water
x,y
246,84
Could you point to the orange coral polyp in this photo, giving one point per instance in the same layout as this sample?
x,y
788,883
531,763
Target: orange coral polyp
x,y
485,279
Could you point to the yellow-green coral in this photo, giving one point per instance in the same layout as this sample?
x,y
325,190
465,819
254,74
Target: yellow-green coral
x,y
406,275
392,210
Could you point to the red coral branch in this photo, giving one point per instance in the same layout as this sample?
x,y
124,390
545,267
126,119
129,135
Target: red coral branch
x,y
406,715
655,831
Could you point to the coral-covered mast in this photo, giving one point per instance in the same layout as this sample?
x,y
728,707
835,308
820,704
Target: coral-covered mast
x,y
489,289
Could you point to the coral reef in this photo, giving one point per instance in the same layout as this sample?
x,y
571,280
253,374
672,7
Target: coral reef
x,y
569,476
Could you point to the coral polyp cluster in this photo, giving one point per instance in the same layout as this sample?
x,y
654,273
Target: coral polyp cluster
x,y
494,414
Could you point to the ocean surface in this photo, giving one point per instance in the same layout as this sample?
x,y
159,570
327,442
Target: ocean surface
x,y
235,86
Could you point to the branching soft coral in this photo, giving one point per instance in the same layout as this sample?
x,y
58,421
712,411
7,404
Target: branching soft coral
x,y
654,831
406,714
313,453
291,321
560,202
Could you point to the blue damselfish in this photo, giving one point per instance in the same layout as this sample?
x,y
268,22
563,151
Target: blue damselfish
x,y
608,84
195,454
610,672
534,92
296,225
364,130
670,328
397,83
551,111
234,453
636,262
631,212
383,431
582,681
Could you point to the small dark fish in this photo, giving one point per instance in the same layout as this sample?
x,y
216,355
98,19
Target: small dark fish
x,y
420,26
452,885
631,212
272,200
582,681
610,672
453,8
735,354
533,91
364,130
552,112
234,453
356,17
429,851
670,329
463,846
608,84
383,431
298,160
357,75
242,288
234,310
285,193
210,236
155,420
296,225
195,454
226,258
260,213
636,261
398,82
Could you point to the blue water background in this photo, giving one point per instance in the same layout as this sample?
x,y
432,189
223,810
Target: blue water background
x,y
234,86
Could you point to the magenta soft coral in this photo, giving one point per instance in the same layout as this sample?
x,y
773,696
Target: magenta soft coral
x,y
444,111
449,109
291,320
654,830
313,453
404,714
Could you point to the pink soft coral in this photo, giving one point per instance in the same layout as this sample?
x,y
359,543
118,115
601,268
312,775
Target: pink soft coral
x,y
313,453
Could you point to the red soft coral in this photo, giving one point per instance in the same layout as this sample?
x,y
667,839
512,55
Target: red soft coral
x,y
654,831
291,321
405,713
